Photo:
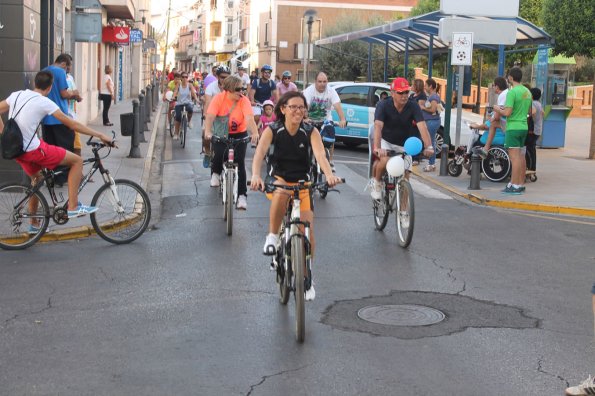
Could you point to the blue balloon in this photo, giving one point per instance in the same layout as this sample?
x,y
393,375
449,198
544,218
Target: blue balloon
x,y
413,146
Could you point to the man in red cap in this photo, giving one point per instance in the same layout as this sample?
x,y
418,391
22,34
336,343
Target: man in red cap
x,y
393,125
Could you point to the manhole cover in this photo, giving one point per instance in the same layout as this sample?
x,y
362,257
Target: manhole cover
x,y
401,315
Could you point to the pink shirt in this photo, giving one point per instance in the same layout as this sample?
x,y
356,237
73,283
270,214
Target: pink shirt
x,y
266,121
283,89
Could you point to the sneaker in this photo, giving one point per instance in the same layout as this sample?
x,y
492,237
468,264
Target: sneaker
x,y
270,245
215,180
310,293
587,387
376,190
176,137
522,188
242,204
429,168
404,219
481,152
81,210
513,190
33,230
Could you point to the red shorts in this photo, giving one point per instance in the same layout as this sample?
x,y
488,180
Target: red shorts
x,y
44,156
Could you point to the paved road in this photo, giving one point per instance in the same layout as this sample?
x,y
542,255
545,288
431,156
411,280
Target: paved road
x,y
188,310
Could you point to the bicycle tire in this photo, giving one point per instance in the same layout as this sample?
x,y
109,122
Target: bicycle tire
x,y
183,129
496,166
14,232
405,193
454,169
229,201
171,125
283,271
127,225
381,209
298,262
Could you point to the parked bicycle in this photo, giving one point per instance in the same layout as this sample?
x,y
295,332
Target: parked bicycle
x,y
228,186
124,209
292,259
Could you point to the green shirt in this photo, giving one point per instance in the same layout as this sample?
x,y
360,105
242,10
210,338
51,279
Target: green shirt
x,y
519,98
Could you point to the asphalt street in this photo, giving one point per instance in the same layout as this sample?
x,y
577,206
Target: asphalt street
x,y
187,310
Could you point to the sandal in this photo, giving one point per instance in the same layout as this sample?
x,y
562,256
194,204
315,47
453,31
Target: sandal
x,y
429,168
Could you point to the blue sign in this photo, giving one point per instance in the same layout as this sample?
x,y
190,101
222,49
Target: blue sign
x,y
542,70
136,36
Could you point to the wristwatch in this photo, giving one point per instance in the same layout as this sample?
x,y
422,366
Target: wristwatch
x,y
430,147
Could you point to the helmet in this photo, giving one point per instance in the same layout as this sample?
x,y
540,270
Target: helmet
x,y
286,73
222,69
268,103
267,68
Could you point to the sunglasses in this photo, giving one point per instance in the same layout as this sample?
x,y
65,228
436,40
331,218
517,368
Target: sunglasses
x,y
286,78
400,92
240,89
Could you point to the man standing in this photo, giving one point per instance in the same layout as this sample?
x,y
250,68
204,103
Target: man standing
x,y
518,103
321,100
54,131
262,89
286,85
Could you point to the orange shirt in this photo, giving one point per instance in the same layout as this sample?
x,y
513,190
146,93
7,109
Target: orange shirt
x,y
221,105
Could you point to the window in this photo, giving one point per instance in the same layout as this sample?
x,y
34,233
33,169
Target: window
x,y
378,95
229,26
355,95
266,34
230,3
215,29
213,4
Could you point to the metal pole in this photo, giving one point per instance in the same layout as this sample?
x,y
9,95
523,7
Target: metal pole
x,y
141,120
149,103
501,59
134,148
155,95
477,108
310,21
448,99
369,62
431,56
406,66
386,48
166,39
459,105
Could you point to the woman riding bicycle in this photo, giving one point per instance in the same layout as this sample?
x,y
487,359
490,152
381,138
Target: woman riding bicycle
x,y
232,103
293,141
184,96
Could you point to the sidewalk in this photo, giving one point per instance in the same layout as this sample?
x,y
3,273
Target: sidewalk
x,y
118,163
565,178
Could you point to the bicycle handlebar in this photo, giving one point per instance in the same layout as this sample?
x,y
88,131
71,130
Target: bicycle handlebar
x,y
302,185
100,144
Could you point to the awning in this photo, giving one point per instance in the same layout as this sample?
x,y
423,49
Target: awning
x,y
419,34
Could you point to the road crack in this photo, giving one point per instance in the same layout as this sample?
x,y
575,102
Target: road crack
x,y
45,308
449,272
263,379
542,371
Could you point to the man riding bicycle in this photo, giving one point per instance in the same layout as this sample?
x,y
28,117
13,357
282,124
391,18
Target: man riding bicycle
x,y
321,100
262,89
393,124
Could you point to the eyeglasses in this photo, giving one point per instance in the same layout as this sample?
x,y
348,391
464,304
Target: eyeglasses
x,y
286,78
296,107
400,92
239,89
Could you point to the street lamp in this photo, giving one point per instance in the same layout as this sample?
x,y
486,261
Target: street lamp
x,y
309,18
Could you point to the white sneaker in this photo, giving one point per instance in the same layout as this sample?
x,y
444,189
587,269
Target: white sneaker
x,y
176,137
404,219
376,189
215,180
311,293
242,203
270,245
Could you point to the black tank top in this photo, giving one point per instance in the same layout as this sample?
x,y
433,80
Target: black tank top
x,y
290,156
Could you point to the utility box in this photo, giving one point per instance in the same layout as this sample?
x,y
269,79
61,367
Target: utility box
x,y
127,124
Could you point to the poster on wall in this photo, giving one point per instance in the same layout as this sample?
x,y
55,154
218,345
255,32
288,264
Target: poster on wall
x,y
120,79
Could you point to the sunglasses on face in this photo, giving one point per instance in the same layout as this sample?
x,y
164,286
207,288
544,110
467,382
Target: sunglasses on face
x,y
286,78
400,92
239,89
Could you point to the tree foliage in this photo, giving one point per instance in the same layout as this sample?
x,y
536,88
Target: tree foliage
x,y
425,6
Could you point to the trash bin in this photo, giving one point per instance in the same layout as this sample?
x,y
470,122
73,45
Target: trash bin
x,y
127,124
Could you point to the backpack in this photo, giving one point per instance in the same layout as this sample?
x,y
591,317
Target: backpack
x,y
12,137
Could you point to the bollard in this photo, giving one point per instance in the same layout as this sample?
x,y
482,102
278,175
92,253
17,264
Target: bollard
x,y
134,148
155,91
444,160
475,172
149,103
144,124
141,111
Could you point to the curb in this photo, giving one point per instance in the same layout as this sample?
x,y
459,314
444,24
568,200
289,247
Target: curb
x,y
527,206
79,232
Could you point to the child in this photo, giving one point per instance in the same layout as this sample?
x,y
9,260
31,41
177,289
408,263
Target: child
x,y
267,118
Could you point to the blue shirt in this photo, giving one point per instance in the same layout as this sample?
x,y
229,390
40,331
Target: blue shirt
x,y
60,84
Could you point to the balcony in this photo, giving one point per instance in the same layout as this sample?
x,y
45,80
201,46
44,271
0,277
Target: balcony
x,y
121,9
182,55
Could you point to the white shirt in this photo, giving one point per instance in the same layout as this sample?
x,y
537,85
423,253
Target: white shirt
x,y
245,78
36,108
213,89
502,102
104,90
320,104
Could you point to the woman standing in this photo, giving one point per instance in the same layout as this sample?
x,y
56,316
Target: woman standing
x,y
431,114
106,94
290,162
232,103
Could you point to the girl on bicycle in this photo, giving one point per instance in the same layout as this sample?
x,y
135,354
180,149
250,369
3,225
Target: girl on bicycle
x,y
184,96
232,103
293,142
268,117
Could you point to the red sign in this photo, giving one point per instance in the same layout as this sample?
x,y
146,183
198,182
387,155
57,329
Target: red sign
x,y
116,34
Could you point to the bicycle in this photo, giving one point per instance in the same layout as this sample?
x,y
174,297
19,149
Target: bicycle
x,y
292,259
124,209
183,126
397,195
228,185
328,140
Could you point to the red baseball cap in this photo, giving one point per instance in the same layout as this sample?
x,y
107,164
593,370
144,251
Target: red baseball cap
x,y
400,84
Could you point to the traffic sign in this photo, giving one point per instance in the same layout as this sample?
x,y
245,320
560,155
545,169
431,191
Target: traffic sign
x,y
462,49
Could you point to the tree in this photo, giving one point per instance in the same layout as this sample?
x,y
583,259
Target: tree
x,y
425,6
570,22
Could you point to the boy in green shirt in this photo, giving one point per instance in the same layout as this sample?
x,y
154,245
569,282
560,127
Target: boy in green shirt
x,y
518,103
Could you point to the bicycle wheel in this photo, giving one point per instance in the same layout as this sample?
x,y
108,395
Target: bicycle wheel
x,y
16,229
171,124
229,200
183,129
381,211
124,211
405,216
454,169
283,272
496,167
298,262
